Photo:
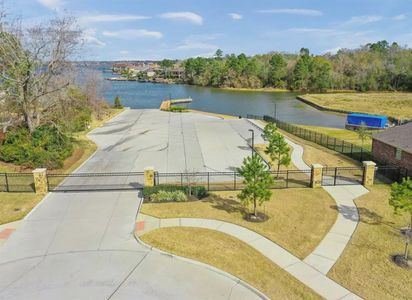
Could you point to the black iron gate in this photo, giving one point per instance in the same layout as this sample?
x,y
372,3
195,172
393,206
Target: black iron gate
x,y
95,181
342,176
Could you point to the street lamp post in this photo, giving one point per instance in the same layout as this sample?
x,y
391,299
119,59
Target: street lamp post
x,y
253,141
275,112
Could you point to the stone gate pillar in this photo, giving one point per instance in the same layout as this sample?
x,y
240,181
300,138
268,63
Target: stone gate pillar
x,y
368,173
40,181
149,179
316,176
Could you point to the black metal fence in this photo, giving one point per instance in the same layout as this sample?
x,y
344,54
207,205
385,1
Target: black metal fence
x,y
231,181
95,181
353,151
390,174
17,182
342,176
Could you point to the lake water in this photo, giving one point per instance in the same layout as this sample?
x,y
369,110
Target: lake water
x,y
288,108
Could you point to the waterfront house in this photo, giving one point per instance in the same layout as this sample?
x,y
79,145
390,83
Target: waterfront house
x,y
394,146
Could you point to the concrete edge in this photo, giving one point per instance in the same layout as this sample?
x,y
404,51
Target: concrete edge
x,y
237,280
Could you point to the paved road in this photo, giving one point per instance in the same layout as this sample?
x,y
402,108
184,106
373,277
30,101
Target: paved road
x,y
81,246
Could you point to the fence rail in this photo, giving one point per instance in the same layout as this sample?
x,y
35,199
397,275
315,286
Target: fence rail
x,y
17,182
353,151
95,181
231,181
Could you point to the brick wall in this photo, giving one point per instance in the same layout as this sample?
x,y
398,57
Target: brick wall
x,y
385,153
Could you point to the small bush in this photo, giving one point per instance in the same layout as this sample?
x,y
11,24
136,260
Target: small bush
x,y
164,196
196,191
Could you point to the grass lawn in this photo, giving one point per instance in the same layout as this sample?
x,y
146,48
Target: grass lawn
x,y
298,218
231,255
14,206
365,267
392,104
343,134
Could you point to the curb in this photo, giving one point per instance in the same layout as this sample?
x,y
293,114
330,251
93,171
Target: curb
x,y
237,280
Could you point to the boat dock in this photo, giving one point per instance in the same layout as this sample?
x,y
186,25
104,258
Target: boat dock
x,y
168,103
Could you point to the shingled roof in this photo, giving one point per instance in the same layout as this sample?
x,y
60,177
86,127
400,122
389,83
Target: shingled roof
x,y
399,137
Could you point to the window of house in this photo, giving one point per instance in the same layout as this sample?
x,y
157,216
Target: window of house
x,y
398,154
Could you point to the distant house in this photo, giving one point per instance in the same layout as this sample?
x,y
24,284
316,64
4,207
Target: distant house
x,y
394,146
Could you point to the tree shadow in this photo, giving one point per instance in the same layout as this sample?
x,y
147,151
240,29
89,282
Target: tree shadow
x,y
228,205
366,215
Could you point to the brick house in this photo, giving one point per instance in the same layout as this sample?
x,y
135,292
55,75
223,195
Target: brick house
x,y
394,146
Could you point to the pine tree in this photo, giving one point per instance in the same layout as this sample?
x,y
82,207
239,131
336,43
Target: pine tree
x,y
278,150
257,182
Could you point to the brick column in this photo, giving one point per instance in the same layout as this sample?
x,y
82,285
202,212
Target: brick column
x,y
40,181
149,179
316,176
368,173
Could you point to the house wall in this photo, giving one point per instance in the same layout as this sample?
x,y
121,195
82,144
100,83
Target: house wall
x,y
385,153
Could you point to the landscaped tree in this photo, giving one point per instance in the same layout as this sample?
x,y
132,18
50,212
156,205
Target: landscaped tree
x,y
363,133
269,131
257,182
117,103
401,201
278,150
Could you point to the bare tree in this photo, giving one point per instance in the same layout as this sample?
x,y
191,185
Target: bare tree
x,y
34,63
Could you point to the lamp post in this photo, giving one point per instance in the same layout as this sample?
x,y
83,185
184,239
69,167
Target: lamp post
x,y
253,141
275,111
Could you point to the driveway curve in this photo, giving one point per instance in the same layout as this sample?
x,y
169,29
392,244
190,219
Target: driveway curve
x,y
80,245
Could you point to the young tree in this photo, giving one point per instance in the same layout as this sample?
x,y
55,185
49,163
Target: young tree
x,y
257,181
117,103
269,131
34,63
363,133
401,201
278,150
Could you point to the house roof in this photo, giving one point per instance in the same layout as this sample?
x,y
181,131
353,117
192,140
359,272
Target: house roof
x,y
399,137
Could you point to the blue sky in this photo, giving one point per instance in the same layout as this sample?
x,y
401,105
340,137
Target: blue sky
x,y
157,29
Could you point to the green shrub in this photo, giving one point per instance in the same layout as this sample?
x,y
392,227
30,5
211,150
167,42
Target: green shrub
x,y
196,191
163,196
45,147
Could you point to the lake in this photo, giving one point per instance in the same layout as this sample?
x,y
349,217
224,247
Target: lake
x,y
288,108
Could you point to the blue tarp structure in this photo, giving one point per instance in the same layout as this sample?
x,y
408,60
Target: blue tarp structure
x,y
367,120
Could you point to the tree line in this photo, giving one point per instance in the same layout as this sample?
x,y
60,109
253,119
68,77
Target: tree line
x,y
372,67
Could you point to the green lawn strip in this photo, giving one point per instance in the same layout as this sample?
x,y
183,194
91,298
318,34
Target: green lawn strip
x,y
230,255
365,266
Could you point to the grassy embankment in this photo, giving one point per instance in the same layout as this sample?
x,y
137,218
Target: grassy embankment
x,y
365,266
231,255
392,104
14,206
298,218
317,154
350,136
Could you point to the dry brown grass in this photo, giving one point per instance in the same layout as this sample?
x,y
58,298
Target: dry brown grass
x,y
365,265
298,218
350,136
14,206
231,255
316,154
393,104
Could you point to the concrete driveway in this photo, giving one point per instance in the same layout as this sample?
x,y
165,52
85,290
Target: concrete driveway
x,y
81,245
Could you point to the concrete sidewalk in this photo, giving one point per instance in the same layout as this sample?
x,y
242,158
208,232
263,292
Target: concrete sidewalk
x,y
302,271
